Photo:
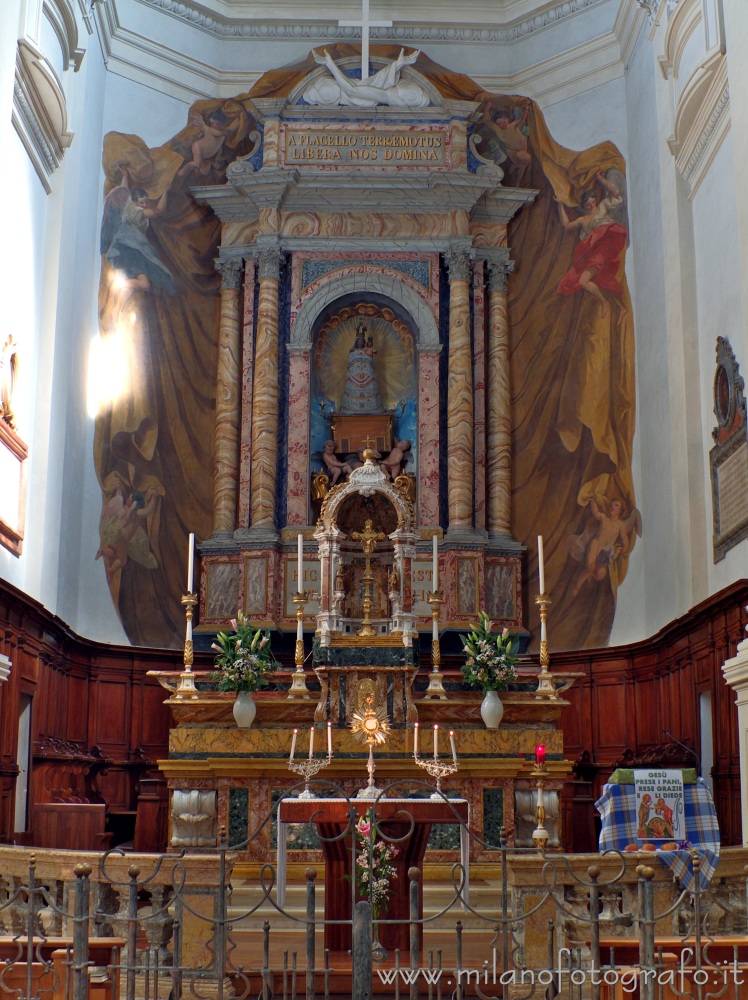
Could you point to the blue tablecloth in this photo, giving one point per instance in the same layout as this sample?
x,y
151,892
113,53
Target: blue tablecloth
x,y
617,808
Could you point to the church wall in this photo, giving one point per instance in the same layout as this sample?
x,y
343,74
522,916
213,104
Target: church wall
x,y
648,598
718,280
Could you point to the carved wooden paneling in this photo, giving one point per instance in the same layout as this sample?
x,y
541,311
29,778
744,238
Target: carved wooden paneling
x,y
94,695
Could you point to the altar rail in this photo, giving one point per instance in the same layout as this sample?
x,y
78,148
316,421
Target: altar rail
x,y
148,927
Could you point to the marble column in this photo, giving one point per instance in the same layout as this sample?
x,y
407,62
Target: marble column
x,y
428,436
248,366
479,394
226,433
266,392
499,414
460,431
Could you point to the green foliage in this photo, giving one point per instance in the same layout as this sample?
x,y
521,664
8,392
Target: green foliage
x,y
244,657
491,656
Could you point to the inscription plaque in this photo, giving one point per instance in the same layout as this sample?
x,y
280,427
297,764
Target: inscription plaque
x,y
365,145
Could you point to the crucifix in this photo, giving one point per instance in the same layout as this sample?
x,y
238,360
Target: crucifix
x,y
365,24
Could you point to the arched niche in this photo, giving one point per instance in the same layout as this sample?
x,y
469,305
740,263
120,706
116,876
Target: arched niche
x,y
367,502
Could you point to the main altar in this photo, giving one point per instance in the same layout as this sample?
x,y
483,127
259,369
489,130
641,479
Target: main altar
x,y
362,492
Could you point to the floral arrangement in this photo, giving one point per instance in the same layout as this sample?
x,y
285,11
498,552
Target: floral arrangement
x,y
375,869
491,657
244,657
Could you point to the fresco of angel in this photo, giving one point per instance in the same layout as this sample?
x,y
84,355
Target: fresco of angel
x,y
606,536
124,242
602,240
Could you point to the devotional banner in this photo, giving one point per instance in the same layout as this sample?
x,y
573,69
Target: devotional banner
x,y
661,793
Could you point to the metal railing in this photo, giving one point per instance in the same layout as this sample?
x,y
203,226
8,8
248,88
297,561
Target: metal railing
x,y
114,930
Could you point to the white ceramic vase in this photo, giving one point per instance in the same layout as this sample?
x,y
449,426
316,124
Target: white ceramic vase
x,y
244,709
491,709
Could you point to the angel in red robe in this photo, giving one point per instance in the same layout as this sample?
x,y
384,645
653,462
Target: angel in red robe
x,y
597,257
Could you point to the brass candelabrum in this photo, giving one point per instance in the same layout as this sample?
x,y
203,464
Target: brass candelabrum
x,y
186,688
435,688
298,689
309,766
436,766
540,834
546,689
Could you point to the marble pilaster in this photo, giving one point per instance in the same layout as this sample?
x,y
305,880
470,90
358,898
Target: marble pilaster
x,y
266,392
460,430
226,433
428,436
297,489
499,419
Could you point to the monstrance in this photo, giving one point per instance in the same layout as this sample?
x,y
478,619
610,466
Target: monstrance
x,y
370,726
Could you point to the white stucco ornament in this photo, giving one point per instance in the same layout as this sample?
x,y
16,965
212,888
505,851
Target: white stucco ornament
x,y
384,87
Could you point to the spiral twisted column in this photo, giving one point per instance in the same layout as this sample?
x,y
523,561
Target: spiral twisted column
x,y
460,429
265,420
228,409
499,416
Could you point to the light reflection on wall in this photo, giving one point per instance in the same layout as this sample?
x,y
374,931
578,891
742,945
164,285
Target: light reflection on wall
x,y
108,375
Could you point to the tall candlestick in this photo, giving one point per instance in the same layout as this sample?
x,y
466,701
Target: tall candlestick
x,y
541,566
329,739
435,564
300,562
452,742
311,743
436,741
293,743
415,740
190,562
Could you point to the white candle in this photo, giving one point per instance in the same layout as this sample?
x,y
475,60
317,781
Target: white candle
x,y
435,564
452,741
436,741
190,562
311,742
415,740
300,562
329,739
293,743
541,566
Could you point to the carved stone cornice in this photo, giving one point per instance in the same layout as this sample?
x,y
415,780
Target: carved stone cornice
x,y
231,271
268,28
459,262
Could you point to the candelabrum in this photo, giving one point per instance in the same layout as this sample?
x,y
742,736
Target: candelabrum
x,y
540,834
186,688
546,688
436,766
436,678
307,767
298,687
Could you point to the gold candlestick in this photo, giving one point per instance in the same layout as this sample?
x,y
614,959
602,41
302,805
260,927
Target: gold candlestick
x,y
540,834
298,689
186,688
546,688
436,678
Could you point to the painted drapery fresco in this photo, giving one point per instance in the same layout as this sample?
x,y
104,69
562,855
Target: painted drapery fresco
x,y
572,355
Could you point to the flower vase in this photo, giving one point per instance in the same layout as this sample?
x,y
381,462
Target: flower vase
x,y
245,709
491,709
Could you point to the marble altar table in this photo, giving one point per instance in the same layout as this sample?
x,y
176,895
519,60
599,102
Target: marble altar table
x,y
396,817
